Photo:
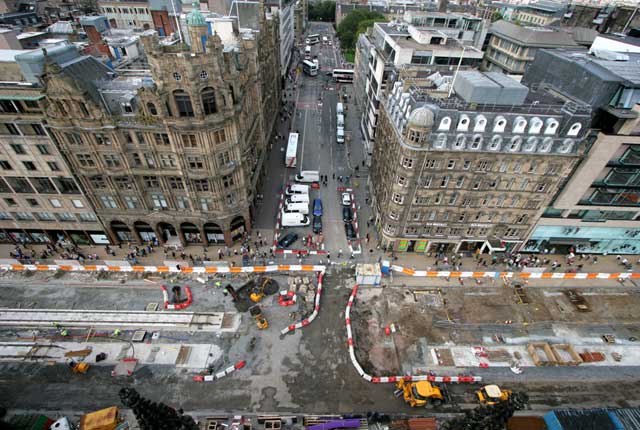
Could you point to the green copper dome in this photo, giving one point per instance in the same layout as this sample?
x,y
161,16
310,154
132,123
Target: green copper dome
x,y
195,18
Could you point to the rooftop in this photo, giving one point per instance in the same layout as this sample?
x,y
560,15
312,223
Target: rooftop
x,y
627,72
9,55
635,41
29,34
533,36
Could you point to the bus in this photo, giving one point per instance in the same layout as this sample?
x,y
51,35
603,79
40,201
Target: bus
x,y
312,39
325,40
343,75
310,68
307,52
292,150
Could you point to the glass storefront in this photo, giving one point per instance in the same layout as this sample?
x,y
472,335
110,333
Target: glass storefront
x,y
587,240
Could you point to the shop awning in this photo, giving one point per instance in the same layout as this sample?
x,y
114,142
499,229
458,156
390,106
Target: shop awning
x,y
568,240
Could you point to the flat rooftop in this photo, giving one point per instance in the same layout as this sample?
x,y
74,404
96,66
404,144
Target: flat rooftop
x,y
627,72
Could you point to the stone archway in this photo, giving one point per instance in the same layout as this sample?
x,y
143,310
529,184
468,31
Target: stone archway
x,y
213,233
121,231
145,231
167,232
238,228
190,233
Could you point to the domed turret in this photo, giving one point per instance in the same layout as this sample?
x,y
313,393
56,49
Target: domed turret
x,y
423,117
195,17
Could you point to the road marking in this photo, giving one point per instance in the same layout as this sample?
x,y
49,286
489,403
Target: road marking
x,y
304,134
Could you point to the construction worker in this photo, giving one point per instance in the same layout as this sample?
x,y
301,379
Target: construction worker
x,y
218,284
117,332
64,332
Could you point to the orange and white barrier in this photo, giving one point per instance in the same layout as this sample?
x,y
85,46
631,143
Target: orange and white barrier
x,y
390,379
177,306
316,310
160,269
209,378
516,275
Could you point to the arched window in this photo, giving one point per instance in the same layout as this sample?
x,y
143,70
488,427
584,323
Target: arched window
x,y
441,141
481,123
496,141
463,123
152,109
499,124
477,141
445,123
531,144
515,144
566,146
552,126
536,125
575,129
459,143
519,125
546,144
209,101
183,103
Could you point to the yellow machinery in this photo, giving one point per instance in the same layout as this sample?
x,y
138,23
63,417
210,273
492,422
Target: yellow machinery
x,y
492,394
421,393
79,367
104,419
257,293
261,321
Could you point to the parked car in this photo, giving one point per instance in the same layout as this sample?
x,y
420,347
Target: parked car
x,y
347,216
349,230
287,240
317,224
346,199
317,207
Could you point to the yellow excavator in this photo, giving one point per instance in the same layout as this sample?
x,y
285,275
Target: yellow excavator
x,y
421,393
492,394
266,286
261,321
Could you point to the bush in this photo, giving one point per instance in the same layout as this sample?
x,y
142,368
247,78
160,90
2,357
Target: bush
x,y
357,22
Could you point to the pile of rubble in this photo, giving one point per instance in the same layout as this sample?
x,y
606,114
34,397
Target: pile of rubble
x,y
306,291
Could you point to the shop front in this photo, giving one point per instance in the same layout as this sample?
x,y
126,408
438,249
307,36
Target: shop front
x,y
584,240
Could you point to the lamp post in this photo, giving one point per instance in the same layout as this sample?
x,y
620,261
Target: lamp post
x,y
455,75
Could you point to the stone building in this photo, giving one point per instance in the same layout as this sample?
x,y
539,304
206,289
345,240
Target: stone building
x,y
174,155
40,201
467,173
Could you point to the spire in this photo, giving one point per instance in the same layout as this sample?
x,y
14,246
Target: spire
x,y
195,17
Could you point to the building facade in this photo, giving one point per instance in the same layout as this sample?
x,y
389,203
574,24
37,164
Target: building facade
x,y
176,155
598,209
422,44
512,47
454,174
40,200
389,8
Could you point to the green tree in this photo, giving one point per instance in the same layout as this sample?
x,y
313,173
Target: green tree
x,y
497,16
322,11
355,23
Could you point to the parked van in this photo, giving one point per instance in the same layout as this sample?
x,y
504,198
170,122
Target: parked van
x,y
339,109
340,135
297,198
340,120
300,207
308,176
294,219
297,189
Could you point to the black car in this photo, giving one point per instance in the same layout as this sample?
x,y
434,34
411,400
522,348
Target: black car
x,y
346,214
317,224
349,230
287,240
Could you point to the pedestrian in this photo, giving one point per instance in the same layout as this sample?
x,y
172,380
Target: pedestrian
x,y
339,253
334,176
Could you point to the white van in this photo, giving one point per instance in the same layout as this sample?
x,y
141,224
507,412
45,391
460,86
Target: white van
x,y
297,198
308,176
300,207
340,135
294,219
297,189
340,120
339,109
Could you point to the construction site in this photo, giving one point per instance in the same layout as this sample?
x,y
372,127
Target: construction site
x,y
271,341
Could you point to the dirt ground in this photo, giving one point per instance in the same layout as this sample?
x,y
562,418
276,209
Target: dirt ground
x,y
467,315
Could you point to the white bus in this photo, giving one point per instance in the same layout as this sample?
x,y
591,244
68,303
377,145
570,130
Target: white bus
x,y
307,52
343,75
310,68
292,150
312,39
324,40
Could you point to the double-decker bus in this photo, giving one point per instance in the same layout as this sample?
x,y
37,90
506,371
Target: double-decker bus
x,y
310,68
343,75
312,39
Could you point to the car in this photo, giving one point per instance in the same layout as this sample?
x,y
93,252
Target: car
x,y
346,214
349,231
346,199
317,224
317,207
287,240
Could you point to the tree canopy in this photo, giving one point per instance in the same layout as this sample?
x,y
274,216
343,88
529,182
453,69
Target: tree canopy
x,y
322,11
355,23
